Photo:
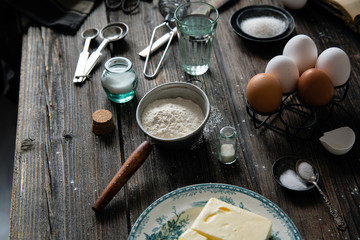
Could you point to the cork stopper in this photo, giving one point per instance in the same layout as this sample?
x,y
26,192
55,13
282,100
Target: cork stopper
x,y
102,123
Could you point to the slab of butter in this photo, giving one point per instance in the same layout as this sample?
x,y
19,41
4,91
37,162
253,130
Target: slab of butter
x,y
222,221
191,235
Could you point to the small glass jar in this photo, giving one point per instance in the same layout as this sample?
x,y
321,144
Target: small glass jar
x,y
227,145
119,79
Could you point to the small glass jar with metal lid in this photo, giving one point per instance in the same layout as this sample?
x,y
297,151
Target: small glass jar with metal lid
x,y
119,80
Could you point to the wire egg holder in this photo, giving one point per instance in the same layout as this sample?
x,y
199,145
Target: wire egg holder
x,y
303,126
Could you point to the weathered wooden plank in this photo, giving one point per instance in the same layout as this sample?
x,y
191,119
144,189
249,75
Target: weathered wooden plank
x,y
68,164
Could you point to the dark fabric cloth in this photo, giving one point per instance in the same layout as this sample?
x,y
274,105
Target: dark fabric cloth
x,y
66,14
62,15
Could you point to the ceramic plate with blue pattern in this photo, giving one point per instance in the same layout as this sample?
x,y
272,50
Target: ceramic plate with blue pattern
x,y
173,213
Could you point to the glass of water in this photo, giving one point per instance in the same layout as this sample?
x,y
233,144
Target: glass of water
x,y
196,25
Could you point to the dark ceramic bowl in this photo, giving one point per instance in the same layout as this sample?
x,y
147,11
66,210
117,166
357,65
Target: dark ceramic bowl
x,y
289,162
262,11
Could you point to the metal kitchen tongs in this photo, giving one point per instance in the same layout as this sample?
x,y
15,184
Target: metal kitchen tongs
x,y
167,9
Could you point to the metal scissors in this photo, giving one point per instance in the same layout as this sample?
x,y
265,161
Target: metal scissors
x,y
127,6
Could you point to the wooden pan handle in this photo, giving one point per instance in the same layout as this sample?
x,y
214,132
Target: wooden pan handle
x,y
135,160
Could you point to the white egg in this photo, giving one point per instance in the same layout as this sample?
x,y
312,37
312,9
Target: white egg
x,y
336,63
302,49
294,4
285,70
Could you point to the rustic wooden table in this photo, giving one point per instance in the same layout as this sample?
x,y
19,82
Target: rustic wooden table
x,y
61,167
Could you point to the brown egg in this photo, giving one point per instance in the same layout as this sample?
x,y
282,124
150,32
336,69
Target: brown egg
x,y
264,93
315,87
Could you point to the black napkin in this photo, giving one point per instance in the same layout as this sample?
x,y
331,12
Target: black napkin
x,y
64,14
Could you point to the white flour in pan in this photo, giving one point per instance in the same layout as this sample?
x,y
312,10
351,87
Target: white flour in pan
x,y
172,117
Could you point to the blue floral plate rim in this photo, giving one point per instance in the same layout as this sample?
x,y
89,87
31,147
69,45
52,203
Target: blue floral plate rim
x,y
157,220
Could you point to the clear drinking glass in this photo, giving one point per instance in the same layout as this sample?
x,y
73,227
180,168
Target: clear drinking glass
x,y
119,80
227,145
196,25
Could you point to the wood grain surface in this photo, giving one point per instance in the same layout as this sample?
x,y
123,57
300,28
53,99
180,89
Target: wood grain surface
x,y
61,167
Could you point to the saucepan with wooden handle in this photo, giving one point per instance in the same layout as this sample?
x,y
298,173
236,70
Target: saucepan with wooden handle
x,y
137,158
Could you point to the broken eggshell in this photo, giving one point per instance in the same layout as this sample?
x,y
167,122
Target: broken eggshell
x,y
338,141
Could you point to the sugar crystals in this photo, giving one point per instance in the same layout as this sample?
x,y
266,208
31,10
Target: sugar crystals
x,y
263,27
